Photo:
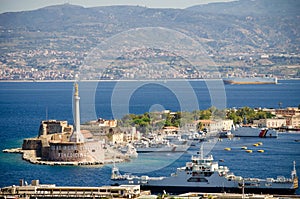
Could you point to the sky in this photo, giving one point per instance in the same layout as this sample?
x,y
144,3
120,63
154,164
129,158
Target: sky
x,y
21,5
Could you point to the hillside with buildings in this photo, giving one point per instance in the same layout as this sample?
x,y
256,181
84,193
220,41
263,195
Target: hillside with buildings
x,y
280,119
242,37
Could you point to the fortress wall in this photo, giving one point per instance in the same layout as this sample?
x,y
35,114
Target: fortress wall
x,y
32,144
67,152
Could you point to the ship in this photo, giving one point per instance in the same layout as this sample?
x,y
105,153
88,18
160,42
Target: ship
x,y
250,80
145,147
250,131
203,174
162,144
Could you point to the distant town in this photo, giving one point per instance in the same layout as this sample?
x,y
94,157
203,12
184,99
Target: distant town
x,y
49,64
239,44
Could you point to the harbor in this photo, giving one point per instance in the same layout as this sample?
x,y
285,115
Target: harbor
x,y
154,163
150,99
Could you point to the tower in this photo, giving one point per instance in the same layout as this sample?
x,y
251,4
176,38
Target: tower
x,y
76,136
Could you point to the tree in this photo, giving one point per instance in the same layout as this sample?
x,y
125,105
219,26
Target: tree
x,y
199,126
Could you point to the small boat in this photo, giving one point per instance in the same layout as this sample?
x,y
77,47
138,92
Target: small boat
x,y
117,176
261,151
225,134
249,151
227,149
244,147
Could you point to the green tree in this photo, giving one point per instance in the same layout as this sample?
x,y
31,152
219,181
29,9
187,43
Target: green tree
x,y
233,116
200,126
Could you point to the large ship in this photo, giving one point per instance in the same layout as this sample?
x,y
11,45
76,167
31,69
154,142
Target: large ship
x,y
250,80
203,174
250,131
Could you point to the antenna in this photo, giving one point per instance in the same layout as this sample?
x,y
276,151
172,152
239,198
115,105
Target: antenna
x,y
294,172
201,151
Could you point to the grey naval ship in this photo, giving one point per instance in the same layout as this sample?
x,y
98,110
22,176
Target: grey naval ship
x,y
203,174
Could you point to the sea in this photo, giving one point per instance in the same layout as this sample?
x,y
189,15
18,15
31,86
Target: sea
x,y
23,105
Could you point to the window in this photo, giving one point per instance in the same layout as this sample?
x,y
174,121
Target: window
x,y
197,179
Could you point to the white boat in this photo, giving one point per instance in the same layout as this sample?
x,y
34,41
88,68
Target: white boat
x,y
249,131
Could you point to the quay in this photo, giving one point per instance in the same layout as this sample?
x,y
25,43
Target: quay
x,y
37,190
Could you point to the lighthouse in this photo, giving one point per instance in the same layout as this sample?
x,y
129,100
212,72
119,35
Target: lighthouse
x,y
76,136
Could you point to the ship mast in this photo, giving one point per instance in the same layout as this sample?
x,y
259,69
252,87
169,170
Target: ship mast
x,y
201,151
294,172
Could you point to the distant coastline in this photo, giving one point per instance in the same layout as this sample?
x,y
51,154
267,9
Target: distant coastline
x,y
125,80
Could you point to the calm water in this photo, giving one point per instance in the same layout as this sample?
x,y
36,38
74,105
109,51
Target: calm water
x,y
24,105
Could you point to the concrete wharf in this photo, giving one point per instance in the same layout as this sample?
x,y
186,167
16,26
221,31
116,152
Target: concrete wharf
x,y
51,191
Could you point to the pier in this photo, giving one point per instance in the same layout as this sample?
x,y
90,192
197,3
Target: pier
x,y
37,190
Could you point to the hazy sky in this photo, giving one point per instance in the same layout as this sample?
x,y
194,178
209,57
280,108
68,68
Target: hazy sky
x,y
20,5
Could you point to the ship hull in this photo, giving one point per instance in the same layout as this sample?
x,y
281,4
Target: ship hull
x,y
185,189
254,132
252,80
179,148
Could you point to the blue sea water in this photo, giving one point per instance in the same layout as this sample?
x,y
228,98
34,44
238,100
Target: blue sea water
x,y
24,104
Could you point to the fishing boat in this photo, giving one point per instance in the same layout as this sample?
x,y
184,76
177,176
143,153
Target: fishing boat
x,y
203,174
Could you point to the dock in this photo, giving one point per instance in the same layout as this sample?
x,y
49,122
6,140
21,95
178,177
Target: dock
x,y
37,190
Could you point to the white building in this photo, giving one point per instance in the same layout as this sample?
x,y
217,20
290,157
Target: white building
x,y
293,121
216,126
270,123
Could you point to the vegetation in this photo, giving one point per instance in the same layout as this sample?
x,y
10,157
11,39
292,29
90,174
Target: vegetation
x,y
247,115
148,122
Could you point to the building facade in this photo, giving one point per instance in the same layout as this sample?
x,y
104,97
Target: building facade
x,y
270,123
